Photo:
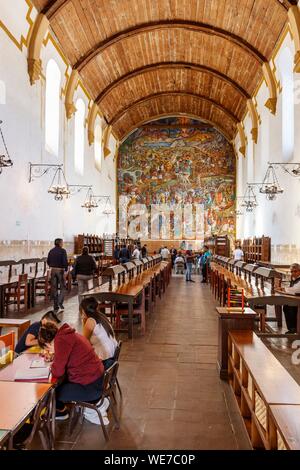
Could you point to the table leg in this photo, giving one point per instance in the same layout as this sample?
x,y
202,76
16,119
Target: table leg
x,y
2,301
278,314
130,318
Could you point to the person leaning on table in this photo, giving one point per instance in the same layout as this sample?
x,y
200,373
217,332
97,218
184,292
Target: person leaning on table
x,y
290,312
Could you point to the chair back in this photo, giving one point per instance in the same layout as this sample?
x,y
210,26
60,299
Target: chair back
x,y
22,281
5,271
7,346
109,380
117,351
17,269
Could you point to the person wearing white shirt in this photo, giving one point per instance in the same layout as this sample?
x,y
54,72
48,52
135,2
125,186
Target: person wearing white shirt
x,y
238,254
290,313
165,253
136,253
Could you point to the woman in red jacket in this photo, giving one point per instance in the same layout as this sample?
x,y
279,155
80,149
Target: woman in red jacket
x,y
75,362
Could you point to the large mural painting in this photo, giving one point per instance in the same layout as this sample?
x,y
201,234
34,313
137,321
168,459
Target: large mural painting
x,y
177,160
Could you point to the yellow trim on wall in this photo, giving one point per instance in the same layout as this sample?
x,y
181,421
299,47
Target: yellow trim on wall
x,y
23,41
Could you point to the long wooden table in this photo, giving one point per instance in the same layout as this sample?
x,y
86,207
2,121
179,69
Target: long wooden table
x,y
18,401
257,296
129,291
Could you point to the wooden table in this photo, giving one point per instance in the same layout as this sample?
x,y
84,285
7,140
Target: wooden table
x,y
18,400
20,324
127,293
22,362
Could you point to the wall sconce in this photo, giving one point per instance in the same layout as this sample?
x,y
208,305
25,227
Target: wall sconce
x,y
5,160
293,169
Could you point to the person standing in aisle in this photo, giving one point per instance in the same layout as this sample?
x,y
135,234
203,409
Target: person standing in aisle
x,y
85,268
204,263
189,259
58,263
238,254
136,254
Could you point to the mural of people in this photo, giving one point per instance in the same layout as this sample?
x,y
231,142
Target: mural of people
x,y
181,165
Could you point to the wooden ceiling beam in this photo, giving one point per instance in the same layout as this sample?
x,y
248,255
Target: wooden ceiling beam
x,y
145,99
53,7
169,24
171,65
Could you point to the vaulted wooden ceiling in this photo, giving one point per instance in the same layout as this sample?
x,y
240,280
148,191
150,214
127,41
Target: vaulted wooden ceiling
x,y
144,58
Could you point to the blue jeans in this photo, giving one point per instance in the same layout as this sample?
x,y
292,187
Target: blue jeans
x,y
188,274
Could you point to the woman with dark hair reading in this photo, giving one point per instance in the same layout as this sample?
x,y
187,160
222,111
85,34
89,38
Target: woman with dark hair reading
x,y
75,363
98,330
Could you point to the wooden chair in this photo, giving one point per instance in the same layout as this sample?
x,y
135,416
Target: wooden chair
x,y
138,311
117,355
18,293
7,347
42,284
109,385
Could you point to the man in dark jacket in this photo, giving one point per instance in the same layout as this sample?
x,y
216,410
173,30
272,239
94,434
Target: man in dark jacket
x,y
124,255
58,262
85,268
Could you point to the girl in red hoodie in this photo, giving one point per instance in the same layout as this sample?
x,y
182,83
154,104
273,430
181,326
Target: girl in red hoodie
x,y
75,362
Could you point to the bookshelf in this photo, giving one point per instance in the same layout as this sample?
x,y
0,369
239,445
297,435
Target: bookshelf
x,y
93,242
256,249
218,245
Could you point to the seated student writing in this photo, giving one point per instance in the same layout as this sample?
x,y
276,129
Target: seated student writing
x,y
98,330
75,364
30,336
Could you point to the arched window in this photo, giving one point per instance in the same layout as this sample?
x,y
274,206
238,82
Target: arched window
x,y
286,65
79,136
98,146
53,79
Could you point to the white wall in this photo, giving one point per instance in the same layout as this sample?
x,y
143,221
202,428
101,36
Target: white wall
x,y
27,211
279,219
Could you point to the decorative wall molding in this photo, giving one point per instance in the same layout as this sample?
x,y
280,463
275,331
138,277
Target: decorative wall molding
x,y
254,119
271,103
294,19
34,62
243,141
106,136
23,41
71,86
91,123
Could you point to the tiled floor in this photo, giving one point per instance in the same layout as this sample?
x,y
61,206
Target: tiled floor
x,y
173,397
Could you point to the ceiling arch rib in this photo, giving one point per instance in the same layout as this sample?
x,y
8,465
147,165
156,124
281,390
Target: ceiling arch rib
x,y
171,65
179,103
170,24
144,99
52,7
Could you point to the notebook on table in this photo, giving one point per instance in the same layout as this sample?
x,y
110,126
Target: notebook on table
x,y
25,375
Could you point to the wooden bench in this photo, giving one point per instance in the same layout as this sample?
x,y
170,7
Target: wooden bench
x,y
258,381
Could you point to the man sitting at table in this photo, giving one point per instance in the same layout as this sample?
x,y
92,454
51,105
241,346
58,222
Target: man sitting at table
x,y
290,312
30,336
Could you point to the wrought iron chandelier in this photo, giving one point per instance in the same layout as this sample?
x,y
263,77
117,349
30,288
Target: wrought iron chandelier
x,y
5,160
270,185
59,186
90,203
249,200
